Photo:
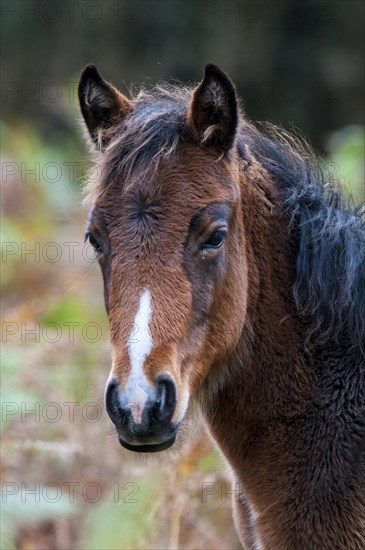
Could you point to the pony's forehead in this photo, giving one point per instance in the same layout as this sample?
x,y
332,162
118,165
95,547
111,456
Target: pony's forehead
x,y
151,137
190,175
187,181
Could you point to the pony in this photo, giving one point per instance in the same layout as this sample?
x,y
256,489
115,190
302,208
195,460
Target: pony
x,y
234,281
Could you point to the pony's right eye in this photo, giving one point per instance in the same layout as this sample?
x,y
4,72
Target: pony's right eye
x,y
215,240
94,243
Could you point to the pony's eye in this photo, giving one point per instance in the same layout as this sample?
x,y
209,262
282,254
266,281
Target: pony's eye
x,y
94,243
215,240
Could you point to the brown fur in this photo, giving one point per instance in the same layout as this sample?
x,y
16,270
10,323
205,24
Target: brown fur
x,y
227,330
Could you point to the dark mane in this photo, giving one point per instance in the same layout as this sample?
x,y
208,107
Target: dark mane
x,y
330,270
150,133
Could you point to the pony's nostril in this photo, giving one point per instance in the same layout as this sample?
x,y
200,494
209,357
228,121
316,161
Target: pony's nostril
x,y
159,402
166,396
112,401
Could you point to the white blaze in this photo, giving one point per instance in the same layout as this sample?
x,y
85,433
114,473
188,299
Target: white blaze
x,y
140,344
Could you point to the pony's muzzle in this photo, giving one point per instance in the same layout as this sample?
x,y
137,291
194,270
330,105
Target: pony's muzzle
x,y
143,416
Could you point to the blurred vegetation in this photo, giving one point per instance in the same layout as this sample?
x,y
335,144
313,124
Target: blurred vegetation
x,y
293,62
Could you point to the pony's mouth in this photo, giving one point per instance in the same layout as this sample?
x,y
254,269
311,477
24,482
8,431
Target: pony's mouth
x,y
148,448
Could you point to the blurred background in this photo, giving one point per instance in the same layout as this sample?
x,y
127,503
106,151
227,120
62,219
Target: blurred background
x,y
66,482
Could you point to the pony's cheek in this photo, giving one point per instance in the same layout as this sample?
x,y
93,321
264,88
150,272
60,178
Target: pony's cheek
x,y
228,318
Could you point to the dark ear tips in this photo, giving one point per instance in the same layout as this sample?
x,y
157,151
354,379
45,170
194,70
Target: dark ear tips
x,y
89,77
214,110
90,72
102,106
211,69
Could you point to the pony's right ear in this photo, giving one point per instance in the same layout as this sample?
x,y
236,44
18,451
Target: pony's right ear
x,y
102,105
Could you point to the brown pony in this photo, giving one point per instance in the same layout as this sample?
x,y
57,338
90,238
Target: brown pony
x,y
234,278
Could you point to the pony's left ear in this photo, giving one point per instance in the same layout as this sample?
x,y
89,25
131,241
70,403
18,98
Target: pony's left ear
x,y
102,106
213,111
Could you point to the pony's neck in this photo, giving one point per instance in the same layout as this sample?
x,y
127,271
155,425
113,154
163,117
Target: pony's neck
x,y
271,377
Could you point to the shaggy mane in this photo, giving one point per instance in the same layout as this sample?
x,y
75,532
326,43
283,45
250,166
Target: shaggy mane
x,y
151,132
329,288
330,269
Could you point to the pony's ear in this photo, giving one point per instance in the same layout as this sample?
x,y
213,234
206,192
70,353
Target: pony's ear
x,y
102,105
213,111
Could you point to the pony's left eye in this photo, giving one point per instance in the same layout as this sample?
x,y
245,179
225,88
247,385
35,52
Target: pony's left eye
x,y
94,243
215,240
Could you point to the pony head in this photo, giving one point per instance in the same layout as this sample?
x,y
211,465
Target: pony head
x,y
166,225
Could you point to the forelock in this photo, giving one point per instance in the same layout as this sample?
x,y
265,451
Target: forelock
x,y
151,132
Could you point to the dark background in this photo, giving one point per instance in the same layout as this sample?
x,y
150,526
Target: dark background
x,y
294,63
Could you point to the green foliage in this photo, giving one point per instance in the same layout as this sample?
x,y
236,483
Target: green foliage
x,y
71,310
12,392
347,153
210,462
124,524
